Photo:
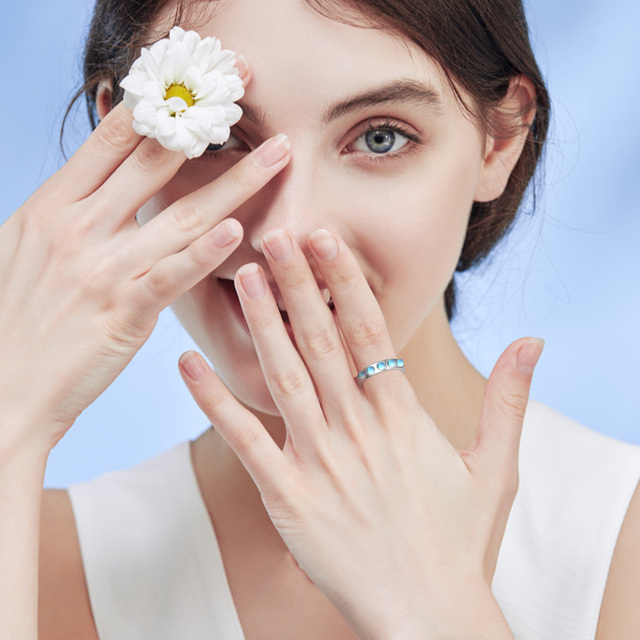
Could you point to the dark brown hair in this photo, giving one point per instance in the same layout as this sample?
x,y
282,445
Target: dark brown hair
x,y
481,45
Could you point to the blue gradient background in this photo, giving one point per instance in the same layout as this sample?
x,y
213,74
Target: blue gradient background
x,y
570,273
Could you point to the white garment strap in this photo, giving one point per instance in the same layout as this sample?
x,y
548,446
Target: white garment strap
x,y
575,489
153,565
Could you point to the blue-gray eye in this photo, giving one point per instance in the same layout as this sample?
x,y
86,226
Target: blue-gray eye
x,y
380,141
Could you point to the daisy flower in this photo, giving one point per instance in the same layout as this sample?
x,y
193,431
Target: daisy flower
x,y
182,91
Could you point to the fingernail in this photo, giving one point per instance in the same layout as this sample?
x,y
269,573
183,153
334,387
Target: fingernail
x,y
252,281
192,365
242,65
279,245
324,244
529,355
226,233
273,150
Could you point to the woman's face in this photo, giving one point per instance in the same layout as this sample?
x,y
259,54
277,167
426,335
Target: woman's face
x,y
382,154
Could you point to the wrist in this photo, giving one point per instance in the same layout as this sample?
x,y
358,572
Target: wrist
x,y
24,442
470,615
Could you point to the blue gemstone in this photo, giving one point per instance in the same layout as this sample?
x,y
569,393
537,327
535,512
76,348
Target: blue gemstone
x,y
371,370
362,375
401,363
381,366
391,364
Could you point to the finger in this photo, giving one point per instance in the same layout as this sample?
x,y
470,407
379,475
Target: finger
x,y
361,320
178,273
498,438
240,429
195,214
244,70
311,320
142,174
286,376
102,153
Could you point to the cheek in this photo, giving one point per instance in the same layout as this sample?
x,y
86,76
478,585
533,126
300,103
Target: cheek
x,y
409,232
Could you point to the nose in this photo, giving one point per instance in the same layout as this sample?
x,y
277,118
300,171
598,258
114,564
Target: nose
x,y
292,200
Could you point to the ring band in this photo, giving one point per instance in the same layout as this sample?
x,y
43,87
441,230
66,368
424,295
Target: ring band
x,y
395,364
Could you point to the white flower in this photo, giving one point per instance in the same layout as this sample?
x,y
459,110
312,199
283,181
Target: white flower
x,y
182,91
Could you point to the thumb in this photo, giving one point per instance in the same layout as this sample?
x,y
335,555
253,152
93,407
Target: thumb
x,y
505,401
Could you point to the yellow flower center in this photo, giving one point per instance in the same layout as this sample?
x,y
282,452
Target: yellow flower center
x,y
179,91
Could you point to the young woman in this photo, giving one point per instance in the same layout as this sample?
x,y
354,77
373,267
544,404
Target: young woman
x,y
317,506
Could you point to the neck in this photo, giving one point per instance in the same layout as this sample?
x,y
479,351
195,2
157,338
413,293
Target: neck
x,y
447,385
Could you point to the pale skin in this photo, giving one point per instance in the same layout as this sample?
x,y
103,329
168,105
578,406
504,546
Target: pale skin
x,y
437,444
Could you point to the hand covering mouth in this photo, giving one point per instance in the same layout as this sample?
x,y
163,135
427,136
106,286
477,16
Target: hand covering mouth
x,y
228,284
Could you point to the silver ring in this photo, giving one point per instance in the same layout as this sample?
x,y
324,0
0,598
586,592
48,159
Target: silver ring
x,y
394,364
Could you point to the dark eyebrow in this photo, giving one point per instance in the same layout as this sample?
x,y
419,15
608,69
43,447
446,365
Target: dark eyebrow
x,y
400,91
407,91
253,114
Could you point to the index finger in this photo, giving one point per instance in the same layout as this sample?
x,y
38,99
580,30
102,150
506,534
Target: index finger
x,y
110,143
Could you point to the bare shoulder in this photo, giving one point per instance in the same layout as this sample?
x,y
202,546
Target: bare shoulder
x,y
620,613
64,610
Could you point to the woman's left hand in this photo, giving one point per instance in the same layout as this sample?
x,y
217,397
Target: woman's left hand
x,y
399,529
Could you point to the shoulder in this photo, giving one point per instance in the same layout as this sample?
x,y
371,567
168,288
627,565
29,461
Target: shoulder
x,y
64,610
620,613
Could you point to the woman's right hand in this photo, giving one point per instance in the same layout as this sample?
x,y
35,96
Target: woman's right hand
x,y
82,284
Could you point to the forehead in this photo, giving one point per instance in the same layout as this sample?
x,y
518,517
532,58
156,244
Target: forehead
x,y
296,51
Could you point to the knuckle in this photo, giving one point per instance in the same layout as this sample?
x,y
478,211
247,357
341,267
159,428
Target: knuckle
x,y
266,323
241,179
148,155
158,282
114,132
514,403
289,383
322,343
245,436
366,332
340,279
293,279
201,257
187,218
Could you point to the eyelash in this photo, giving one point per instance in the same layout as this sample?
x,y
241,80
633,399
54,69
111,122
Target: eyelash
x,y
388,125
372,125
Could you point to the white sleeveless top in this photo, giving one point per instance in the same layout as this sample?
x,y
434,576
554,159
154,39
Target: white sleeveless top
x,y
154,569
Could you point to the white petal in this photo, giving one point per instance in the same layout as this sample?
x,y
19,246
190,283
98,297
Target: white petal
x,y
199,119
225,61
197,149
145,113
218,135
150,65
236,87
233,113
193,80
185,137
134,83
143,129
165,124
182,55
176,34
158,52
176,104
175,64
130,100
191,41
154,93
